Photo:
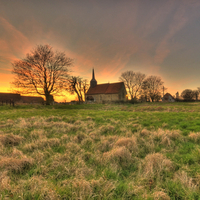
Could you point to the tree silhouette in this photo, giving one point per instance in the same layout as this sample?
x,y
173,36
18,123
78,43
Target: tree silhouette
x,y
43,71
152,87
133,82
79,86
188,94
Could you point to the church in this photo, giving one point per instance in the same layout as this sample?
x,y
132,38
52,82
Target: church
x,y
107,92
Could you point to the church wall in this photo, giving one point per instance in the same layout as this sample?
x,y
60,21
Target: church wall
x,y
99,98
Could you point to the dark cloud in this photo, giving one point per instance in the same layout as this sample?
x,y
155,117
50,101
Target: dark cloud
x,y
154,37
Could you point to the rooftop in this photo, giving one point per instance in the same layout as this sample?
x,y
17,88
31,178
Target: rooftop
x,y
107,88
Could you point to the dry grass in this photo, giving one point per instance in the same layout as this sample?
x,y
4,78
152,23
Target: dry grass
x,y
10,139
155,163
79,137
42,144
16,165
104,146
83,189
38,156
106,128
105,188
73,147
87,143
16,153
38,134
22,123
4,181
185,180
166,136
194,136
144,132
119,155
95,135
129,143
38,187
64,138
160,195
172,134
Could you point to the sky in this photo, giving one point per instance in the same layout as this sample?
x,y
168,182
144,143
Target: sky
x,y
155,37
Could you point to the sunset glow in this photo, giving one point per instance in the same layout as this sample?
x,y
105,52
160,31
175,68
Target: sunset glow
x,y
153,37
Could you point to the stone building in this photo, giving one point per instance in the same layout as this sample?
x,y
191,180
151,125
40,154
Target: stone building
x,y
107,92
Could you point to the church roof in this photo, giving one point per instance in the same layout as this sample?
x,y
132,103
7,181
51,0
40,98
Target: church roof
x,y
107,88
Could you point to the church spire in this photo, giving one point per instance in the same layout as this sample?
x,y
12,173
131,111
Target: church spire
x,y
93,77
93,82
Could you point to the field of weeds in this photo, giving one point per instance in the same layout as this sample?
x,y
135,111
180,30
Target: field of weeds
x,y
141,151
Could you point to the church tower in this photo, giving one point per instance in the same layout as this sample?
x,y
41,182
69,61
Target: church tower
x,y
93,82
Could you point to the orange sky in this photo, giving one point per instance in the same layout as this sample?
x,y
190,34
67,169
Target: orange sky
x,y
153,37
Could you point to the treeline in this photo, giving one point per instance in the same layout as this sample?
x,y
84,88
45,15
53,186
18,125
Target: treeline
x,y
141,87
190,95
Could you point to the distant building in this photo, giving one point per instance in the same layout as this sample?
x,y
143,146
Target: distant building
x,y
32,100
7,97
106,92
168,98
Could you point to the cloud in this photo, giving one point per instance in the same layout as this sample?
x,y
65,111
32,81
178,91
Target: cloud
x,y
14,42
181,18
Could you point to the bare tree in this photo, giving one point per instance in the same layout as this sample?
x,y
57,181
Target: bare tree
x,y
78,86
152,87
139,78
43,71
133,82
86,86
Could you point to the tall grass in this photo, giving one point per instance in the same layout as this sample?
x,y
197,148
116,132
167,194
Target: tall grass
x,y
148,151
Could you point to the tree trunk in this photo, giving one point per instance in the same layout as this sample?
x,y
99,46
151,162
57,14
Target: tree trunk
x,y
49,99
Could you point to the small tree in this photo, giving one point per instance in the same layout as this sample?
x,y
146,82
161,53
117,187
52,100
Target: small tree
x,y
152,87
78,86
188,94
42,72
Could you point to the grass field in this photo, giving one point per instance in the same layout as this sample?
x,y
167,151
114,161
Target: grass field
x,y
100,151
